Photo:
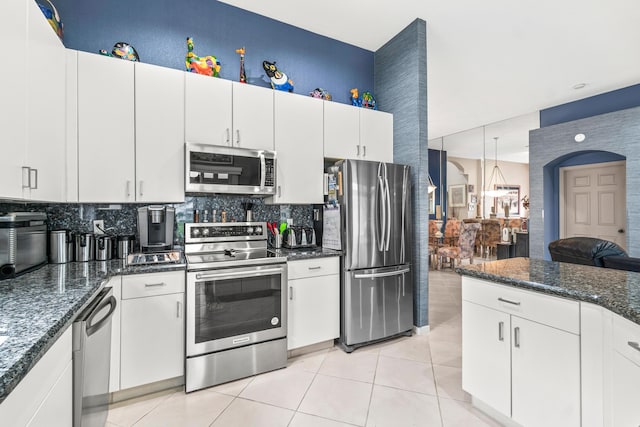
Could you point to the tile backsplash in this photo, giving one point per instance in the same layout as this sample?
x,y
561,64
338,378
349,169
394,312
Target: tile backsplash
x,y
122,218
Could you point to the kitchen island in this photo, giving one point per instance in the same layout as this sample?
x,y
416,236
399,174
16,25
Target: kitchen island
x,y
548,343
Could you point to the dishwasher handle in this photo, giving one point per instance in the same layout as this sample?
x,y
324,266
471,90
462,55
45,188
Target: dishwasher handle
x,y
93,328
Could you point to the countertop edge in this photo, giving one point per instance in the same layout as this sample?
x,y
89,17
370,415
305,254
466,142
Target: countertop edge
x,y
599,300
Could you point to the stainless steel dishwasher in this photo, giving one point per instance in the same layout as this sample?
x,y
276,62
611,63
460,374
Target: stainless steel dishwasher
x,y
91,361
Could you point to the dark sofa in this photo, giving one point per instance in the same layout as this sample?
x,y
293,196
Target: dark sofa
x,y
593,251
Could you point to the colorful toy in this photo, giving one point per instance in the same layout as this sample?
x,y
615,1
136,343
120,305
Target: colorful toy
x,y
279,80
122,50
366,101
50,12
355,100
207,65
320,93
243,76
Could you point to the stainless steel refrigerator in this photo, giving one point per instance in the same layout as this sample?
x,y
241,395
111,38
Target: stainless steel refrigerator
x,y
376,285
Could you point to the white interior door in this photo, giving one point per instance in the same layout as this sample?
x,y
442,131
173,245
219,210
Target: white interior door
x,y
593,201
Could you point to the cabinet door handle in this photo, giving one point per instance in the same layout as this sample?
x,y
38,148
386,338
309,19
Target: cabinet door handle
x,y
279,191
315,268
357,150
364,151
152,285
128,188
509,302
26,169
178,310
516,337
500,331
291,293
141,181
35,187
228,136
238,136
634,345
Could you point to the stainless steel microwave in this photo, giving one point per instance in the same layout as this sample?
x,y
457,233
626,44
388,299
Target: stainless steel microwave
x,y
228,170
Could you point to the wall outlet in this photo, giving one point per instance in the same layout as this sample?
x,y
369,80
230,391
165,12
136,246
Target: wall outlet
x,y
98,226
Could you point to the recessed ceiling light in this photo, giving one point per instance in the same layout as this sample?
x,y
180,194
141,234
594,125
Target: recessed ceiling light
x,y
579,86
579,137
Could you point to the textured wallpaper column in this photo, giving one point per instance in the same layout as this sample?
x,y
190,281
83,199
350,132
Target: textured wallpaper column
x,y
400,82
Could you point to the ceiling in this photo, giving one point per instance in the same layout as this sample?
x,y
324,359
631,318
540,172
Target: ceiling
x,y
491,60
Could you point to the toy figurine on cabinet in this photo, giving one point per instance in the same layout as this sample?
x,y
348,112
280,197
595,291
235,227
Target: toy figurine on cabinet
x,y
50,12
355,99
278,79
122,50
206,65
368,101
243,76
320,93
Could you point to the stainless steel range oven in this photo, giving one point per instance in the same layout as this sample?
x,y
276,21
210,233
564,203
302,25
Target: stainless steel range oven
x,y
236,303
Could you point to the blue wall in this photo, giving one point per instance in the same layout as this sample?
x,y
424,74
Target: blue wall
x,y
616,100
158,30
434,171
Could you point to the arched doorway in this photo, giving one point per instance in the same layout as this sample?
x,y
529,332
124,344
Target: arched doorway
x,y
587,197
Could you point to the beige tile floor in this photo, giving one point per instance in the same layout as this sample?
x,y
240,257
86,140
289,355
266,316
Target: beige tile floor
x,y
410,381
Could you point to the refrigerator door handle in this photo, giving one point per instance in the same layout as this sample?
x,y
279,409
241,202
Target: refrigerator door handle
x,y
380,207
403,213
385,274
388,207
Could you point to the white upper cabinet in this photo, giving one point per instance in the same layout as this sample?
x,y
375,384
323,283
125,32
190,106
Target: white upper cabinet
x,y
341,131
298,144
159,125
376,135
106,151
13,103
222,112
207,110
45,109
252,117
357,133
32,105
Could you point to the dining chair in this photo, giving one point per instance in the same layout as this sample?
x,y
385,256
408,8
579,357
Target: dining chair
x,y
465,247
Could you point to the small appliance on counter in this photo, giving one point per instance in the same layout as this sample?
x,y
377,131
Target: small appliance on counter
x,y
23,242
85,244
299,237
155,227
125,245
104,247
61,248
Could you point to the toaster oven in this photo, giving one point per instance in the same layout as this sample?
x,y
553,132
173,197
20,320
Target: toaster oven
x,y
23,242
229,170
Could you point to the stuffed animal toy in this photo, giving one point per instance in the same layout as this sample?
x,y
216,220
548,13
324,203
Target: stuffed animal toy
x,y
207,65
279,80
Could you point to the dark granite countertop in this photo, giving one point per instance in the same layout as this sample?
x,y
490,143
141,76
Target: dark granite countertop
x,y
305,253
616,290
37,307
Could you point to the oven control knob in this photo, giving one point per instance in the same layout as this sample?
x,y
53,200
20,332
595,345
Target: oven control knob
x,y
249,230
205,232
195,232
258,231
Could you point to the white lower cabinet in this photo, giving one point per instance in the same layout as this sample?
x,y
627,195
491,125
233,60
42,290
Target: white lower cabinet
x,y
521,353
151,328
625,373
44,397
313,313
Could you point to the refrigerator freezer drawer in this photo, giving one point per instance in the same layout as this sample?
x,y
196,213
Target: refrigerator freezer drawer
x,y
378,303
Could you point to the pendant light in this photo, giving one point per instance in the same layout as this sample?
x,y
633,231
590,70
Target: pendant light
x,y
431,187
496,178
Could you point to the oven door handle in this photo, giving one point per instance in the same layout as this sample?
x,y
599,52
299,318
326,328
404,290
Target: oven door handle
x,y
204,276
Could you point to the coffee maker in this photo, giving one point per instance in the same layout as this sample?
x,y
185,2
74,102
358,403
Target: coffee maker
x,y
155,226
